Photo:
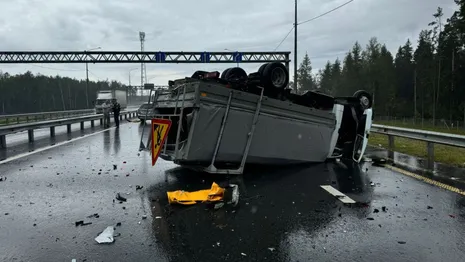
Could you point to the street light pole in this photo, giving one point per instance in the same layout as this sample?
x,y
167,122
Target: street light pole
x,y
295,47
87,77
130,70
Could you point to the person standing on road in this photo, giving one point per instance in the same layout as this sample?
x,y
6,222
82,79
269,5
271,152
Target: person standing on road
x,y
116,111
106,114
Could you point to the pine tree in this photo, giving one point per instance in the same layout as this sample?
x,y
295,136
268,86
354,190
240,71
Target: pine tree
x,y
304,75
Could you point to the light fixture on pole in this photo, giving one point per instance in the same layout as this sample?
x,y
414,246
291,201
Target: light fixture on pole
x,y
129,73
87,76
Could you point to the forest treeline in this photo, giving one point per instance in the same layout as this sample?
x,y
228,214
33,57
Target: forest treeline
x,y
425,79
27,93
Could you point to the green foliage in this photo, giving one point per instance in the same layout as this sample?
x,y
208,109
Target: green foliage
x,y
25,93
422,79
304,75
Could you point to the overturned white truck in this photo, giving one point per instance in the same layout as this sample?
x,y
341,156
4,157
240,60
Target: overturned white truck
x,y
221,123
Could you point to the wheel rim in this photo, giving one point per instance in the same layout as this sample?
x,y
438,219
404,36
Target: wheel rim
x,y
278,77
364,101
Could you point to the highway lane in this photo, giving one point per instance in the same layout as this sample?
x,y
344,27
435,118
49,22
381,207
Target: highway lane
x,y
17,143
283,215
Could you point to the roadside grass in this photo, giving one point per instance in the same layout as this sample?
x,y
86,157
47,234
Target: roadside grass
x,y
444,154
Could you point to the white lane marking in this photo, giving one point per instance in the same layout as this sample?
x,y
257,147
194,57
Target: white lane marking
x,y
52,146
344,199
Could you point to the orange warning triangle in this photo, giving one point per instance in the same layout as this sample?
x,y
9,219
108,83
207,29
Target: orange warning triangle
x,y
160,129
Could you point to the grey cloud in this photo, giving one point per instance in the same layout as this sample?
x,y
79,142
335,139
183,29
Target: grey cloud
x,y
205,25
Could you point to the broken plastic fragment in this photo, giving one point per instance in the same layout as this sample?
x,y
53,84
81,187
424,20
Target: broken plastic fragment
x,y
218,205
235,195
106,236
120,198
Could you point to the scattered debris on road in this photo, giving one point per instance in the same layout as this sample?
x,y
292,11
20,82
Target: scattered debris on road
x,y
158,217
144,216
384,208
376,210
401,242
118,224
138,187
106,236
379,161
96,215
271,249
115,167
81,223
120,198
370,218
2,178
218,205
430,207
244,254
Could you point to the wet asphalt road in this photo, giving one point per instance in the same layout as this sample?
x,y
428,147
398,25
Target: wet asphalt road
x,y
283,215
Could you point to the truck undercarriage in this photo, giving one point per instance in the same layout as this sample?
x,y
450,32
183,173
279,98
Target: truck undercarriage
x,y
220,123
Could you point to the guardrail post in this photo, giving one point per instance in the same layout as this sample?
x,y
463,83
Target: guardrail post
x,y
68,128
126,116
120,117
3,141
101,121
92,123
430,147
30,135
82,125
52,131
391,147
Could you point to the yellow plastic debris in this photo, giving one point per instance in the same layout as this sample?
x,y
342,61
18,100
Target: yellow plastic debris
x,y
215,193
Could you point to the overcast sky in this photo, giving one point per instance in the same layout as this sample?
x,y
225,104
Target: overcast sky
x,y
203,25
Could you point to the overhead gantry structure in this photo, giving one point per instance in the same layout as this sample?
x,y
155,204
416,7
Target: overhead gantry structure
x,y
21,57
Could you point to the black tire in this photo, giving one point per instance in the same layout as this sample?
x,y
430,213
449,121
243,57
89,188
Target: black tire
x,y
366,100
236,74
223,75
262,68
275,75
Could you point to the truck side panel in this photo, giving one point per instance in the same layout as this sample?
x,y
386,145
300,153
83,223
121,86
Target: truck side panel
x,y
277,140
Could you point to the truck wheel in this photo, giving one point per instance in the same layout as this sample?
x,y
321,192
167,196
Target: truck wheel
x,y
223,75
366,101
262,68
236,74
275,75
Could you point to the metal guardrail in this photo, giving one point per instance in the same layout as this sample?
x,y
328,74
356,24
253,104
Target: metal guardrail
x,y
40,116
429,137
30,127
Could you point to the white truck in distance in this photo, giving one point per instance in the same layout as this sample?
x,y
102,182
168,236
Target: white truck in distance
x,y
110,96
